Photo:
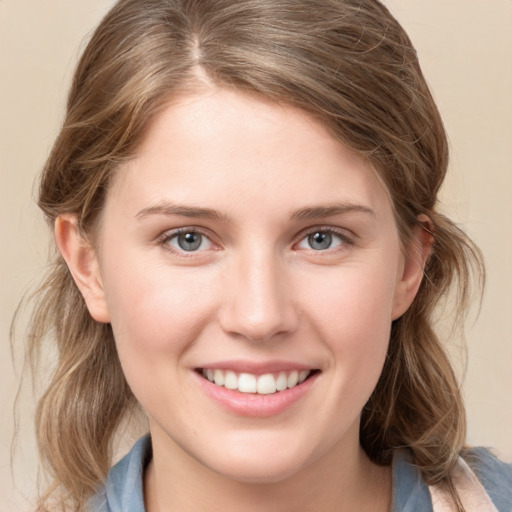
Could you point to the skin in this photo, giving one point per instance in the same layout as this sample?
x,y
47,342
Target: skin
x,y
256,290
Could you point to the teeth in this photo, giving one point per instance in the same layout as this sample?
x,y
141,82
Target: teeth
x,y
231,380
247,383
266,384
303,375
218,377
293,378
281,382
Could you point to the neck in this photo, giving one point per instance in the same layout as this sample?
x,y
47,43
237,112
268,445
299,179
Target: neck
x,y
333,484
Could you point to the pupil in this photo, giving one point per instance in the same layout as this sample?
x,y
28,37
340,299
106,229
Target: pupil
x,y
189,241
320,241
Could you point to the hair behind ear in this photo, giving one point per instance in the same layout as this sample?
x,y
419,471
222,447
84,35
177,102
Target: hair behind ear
x,y
88,395
417,402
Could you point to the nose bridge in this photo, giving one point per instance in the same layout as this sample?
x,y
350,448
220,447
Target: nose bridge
x,y
258,303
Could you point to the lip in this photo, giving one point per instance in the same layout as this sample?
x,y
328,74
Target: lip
x,y
253,404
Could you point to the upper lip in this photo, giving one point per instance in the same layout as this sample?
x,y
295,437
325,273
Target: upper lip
x,y
257,368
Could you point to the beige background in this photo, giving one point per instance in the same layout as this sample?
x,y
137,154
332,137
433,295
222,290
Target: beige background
x,y
465,47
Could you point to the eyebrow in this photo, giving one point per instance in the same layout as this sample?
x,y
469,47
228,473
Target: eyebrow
x,y
183,211
306,213
319,212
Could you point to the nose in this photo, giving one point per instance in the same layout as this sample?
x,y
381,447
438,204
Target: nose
x,y
258,303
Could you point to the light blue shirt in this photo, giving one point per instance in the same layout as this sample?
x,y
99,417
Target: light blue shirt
x,y
123,490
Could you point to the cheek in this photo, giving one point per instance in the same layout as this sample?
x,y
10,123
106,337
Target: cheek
x,y
156,315
350,302
353,317
156,308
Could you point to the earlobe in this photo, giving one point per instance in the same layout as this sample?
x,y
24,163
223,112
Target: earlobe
x,y
82,262
415,260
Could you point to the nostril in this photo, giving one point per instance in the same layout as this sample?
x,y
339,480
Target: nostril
x,y
258,327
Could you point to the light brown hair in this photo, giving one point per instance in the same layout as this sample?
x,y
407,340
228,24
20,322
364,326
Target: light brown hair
x,y
346,62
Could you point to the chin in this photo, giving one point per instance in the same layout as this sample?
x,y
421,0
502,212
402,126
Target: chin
x,y
267,473
259,466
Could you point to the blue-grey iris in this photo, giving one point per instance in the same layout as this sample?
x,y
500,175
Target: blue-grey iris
x,y
320,240
190,241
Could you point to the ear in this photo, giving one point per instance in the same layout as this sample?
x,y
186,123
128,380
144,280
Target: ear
x,y
83,264
415,259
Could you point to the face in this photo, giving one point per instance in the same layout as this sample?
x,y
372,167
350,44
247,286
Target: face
x,y
250,267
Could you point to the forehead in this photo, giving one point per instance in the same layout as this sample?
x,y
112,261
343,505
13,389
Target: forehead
x,y
221,148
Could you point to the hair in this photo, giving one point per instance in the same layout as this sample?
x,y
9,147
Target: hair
x,y
349,64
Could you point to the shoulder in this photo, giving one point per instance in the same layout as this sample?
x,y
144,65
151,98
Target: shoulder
x,y
411,493
495,476
123,489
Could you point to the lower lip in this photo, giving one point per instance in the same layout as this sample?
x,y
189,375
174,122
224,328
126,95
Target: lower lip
x,y
253,404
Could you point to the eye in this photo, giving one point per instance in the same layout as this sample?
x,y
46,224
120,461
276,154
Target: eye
x,y
322,240
187,240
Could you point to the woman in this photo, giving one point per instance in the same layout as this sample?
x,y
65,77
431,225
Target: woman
x,y
244,200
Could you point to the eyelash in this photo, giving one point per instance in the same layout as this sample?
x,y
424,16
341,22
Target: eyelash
x,y
345,240
168,236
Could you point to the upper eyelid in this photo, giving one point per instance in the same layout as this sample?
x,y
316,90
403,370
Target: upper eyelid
x,y
342,232
169,233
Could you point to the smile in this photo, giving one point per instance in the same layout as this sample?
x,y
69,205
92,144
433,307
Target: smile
x,y
265,384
